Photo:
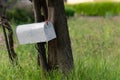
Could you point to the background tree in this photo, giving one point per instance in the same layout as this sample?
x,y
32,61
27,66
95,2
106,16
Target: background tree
x,y
4,4
8,38
2,9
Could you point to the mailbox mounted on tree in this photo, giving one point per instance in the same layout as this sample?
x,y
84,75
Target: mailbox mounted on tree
x,y
36,32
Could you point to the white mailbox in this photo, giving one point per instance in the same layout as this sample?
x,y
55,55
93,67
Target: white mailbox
x,y
36,32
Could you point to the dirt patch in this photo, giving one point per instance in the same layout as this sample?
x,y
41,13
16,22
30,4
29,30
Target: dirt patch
x,y
1,38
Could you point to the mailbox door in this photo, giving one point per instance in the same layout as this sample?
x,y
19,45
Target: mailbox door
x,y
49,31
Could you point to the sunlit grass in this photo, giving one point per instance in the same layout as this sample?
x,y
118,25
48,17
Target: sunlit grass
x,y
95,44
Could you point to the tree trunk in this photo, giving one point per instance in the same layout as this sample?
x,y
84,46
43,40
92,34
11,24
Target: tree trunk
x,y
60,49
38,6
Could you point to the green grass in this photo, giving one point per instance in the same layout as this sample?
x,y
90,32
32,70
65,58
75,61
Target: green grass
x,y
95,43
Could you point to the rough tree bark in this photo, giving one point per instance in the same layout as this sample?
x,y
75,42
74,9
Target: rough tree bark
x,y
62,44
59,49
38,6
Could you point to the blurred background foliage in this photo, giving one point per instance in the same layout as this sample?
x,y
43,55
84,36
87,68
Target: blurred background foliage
x,y
94,9
21,12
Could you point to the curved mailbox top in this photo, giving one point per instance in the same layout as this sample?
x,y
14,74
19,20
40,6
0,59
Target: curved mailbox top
x,y
35,32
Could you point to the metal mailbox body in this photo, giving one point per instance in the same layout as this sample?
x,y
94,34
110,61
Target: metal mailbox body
x,y
36,32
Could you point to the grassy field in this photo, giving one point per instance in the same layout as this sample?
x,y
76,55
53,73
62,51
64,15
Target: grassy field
x,y
96,51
